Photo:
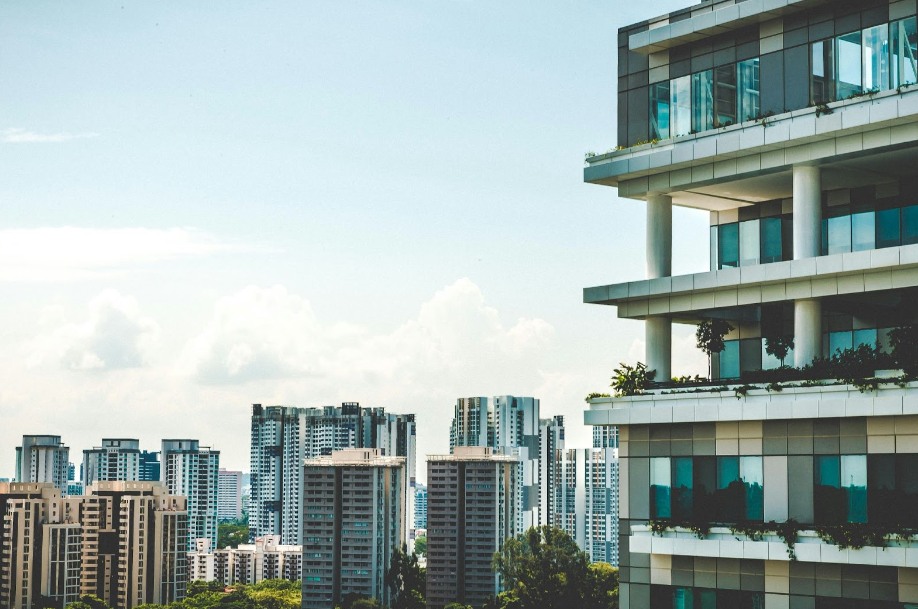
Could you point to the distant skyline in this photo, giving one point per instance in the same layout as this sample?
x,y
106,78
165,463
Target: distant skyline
x,y
305,204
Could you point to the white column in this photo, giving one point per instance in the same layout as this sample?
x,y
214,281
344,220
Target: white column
x,y
658,330
807,239
659,236
807,211
807,330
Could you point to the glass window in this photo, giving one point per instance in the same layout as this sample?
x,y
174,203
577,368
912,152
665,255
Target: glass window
x,y
903,51
854,484
702,101
771,247
753,478
680,91
876,57
865,337
749,242
659,110
839,235
714,248
848,65
750,354
882,500
729,360
887,224
822,79
682,499
683,598
748,77
863,231
706,599
660,506
730,490
840,489
910,225
906,489
840,341
725,95
705,481
728,244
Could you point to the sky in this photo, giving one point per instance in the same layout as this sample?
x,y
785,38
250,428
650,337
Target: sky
x,y
207,206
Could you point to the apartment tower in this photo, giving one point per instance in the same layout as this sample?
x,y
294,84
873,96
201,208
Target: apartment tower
x,y
43,459
116,459
191,470
793,125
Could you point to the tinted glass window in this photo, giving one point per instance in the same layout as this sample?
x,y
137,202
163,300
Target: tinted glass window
x,y
729,360
910,225
887,223
703,101
772,249
660,504
839,235
876,57
681,105
728,244
659,110
749,99
848,65
903,52
863,231
725,98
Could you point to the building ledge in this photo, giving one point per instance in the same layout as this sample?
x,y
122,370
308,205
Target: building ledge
x,y
854,127
816,402
683,297
703,24
722,543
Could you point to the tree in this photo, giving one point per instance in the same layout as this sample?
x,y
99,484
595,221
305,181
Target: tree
x,y
602,587
420,545
406,580
541,569
904,342
631,380
89,601
231,534
199,586
709,337
457,606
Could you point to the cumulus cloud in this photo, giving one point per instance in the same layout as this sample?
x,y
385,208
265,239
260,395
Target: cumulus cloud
x,y
115,335
70,253
15,135
268,333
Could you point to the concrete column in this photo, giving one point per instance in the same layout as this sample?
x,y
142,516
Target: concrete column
x,y
807,330
659,236
659,330
659,339
807,211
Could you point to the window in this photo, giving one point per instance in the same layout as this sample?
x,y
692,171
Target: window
x,y
678,597
903,51
725,98
876,57
887,225
681,105
660,505
892,493
720,489
848,65
822,76
728,244
748,77
659,110
772,246
730,360
839,235
702,101
749,242
910,225
863,231
840,493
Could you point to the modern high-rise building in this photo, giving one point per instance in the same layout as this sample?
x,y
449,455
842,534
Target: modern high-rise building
x,y
420,507
354,518
229,495
189,469
470,513
793,126
472,424
586,496
551,444
283,436
247,563
149,466
116,459
43,459
123,542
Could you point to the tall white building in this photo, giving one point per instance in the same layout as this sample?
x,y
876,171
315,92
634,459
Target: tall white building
x,y
116,459
283,436
251,563
420,507
354,517
229,495
189,469
43,459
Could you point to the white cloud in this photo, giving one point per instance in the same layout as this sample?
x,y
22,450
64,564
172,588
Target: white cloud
x,y
15,135
115,335
267,333
70,253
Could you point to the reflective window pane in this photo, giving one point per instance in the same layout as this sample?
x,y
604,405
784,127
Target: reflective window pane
x,y
659,110
725,98
750,354
848,65
728,243
714,248
865,337
749,242
753,478
683,598
876,57
729,360
772,246
863,231
839,233
910,225
822,79
828,498
854,483
840,341
660,505
887,223
903,52
680,103
731,493
682,498
702,101
748,77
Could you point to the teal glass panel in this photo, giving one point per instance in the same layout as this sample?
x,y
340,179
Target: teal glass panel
x,y
730,360
705,599
725,95
876,57
848,65
865,337
749,242
749,96
680,104
825,238
840,341
903,52
660,481
750,355
728,245
771,245
882,501
887,223
753,478
910,225
854,483
828,498
731,493
683,598
906,489
822,79
682,488
863,231
703,101
839,235
659,110
705,485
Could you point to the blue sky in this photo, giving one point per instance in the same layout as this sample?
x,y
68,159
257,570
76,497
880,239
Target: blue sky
x,y
207,206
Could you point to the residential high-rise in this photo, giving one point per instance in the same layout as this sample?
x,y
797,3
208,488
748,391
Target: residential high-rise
x,y
551,444
470,513
420,507
283,436
354,518
149,466
229,495
189,469
793,126
586,495
43,459
247,563
116,459
472,423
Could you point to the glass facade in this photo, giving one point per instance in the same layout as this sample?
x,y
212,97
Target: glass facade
x,y
866,230
721,489
840,489
750,242
892,489
678,597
